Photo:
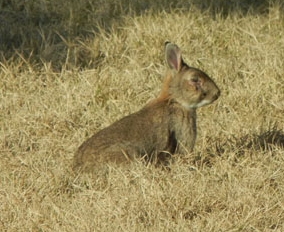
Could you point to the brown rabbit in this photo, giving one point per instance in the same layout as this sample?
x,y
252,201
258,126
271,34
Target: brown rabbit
x,y
166,125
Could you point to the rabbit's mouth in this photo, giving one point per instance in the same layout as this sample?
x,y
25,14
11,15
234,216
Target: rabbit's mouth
x,y
204,103
195,105
208,98
198,104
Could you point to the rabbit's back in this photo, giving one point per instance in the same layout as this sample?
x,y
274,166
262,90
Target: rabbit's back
x,y
139,134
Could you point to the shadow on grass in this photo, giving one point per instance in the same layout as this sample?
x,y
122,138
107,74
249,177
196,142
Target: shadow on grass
x,y
267,141
55,31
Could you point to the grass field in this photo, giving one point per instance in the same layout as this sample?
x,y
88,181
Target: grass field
x,y
69,69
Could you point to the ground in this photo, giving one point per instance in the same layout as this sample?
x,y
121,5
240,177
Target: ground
x,y
73,69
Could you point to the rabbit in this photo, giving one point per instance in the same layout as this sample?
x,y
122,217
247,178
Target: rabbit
x,y
163,127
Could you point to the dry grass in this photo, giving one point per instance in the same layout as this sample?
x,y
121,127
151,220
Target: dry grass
x,y
232,182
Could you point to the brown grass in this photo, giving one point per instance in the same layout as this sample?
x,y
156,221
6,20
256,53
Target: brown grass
x,y
232,182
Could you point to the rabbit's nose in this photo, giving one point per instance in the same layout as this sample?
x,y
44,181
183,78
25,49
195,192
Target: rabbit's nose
x,y
217,95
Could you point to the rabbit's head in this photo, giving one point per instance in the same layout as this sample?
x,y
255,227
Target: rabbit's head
x,y
189,86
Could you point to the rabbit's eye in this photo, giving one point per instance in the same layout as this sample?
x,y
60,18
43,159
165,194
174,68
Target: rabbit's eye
x,y
195,79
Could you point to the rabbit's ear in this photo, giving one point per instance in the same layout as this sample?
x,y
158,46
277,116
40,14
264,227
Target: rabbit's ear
x,y
173,56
